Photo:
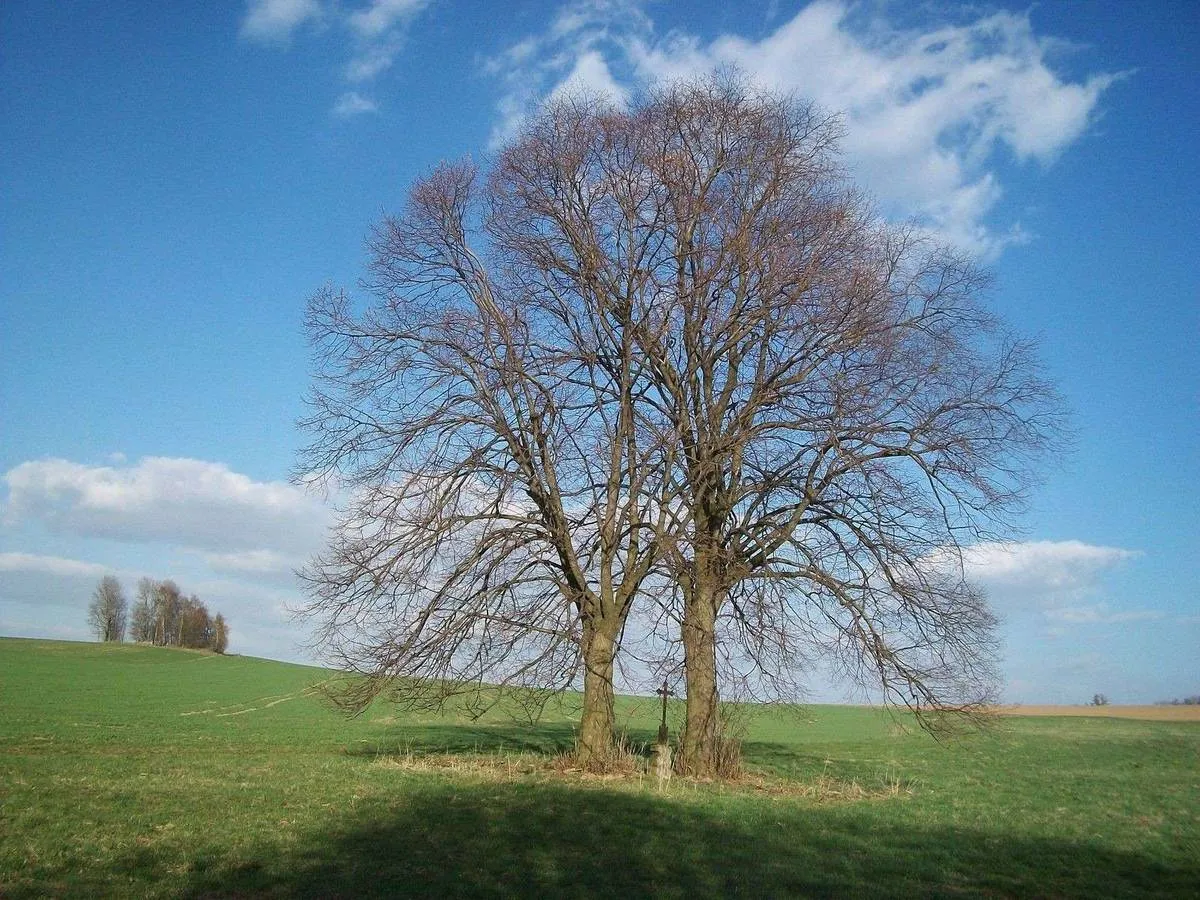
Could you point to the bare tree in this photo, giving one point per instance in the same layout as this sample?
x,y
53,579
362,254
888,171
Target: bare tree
x,y
166,613
107,612
847,416
684,353
141,620
481,416
219,640
195,624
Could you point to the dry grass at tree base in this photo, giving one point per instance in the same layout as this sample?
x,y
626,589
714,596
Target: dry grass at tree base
x,y
633,772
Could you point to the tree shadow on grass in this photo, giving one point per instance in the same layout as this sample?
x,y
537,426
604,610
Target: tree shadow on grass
x,y
796,762
446,839
455,738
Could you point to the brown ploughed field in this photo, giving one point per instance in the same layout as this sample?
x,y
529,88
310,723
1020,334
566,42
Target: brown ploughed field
x,y
1163,713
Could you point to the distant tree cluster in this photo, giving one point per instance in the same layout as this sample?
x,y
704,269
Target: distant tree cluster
x,y
1099,700
1193,700
161,615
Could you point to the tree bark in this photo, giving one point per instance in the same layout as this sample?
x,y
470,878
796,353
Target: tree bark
x,y
596,723
698,756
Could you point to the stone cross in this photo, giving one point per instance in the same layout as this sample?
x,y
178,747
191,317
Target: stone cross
x,y
664,692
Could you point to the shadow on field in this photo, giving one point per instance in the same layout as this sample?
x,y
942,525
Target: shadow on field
x,y
479,738
546,840
789,761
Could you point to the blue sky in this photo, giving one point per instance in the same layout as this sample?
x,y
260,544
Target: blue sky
x,y
178,178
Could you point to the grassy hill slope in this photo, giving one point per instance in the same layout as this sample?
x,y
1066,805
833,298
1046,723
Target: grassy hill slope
x,y
137,771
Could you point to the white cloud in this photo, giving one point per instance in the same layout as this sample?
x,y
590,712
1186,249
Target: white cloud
x,y
50,591
274,21
1041,568
353,103
1101,615
590,75
379,30
576,51
51,565
374,35
380,16
927,112
185,502
264,561
242,540
372,60
1058,580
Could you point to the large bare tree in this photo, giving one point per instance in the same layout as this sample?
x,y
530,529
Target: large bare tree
x,y
665,345
107,612
480,417
847,416
838,416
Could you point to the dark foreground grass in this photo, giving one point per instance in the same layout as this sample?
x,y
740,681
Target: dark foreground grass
x,y
134,771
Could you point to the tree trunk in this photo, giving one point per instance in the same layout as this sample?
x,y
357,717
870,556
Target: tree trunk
x,y
596,724
698,754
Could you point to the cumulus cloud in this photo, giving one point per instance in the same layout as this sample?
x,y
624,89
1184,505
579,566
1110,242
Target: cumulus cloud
x,y
1042,567
185,502
274,21
591,75
233,540
928,113
575,52
51,565
1059,580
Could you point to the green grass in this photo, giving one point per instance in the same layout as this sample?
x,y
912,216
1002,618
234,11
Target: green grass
x,y
143,772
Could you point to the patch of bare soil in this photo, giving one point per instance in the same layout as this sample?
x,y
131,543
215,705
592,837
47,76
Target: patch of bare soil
x,y
1158,713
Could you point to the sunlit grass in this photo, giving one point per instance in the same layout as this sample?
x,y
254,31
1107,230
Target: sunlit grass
x,y
134,771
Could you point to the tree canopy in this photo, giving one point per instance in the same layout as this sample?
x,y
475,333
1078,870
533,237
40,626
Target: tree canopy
x,y
665,358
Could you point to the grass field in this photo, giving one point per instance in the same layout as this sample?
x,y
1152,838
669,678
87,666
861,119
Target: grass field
x,y
135,771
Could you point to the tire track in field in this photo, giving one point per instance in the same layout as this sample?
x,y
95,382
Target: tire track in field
x,y
240,709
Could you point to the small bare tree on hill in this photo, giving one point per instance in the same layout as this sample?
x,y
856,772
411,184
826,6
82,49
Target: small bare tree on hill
x,y
167,608
141,620
108,610
220,634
